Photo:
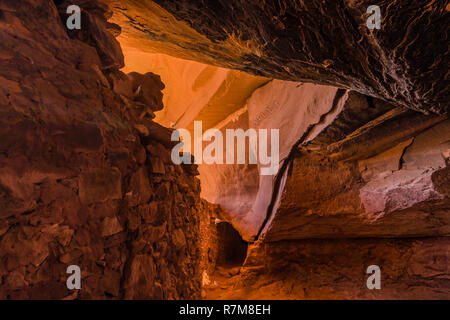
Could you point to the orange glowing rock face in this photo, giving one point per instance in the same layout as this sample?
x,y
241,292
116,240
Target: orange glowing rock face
x,y
215,96
83,166
227,99
196,91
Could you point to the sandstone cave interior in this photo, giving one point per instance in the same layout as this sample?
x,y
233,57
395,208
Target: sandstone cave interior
x,y
87,176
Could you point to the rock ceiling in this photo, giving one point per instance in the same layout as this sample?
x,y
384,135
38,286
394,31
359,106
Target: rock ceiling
x,y
323,42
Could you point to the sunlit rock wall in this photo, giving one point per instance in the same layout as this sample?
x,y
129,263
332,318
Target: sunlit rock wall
x,y
288,41
226,99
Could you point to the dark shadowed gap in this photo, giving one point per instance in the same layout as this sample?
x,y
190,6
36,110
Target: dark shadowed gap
x,y
232,249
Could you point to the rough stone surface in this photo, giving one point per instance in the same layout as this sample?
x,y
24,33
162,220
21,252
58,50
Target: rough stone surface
x,y
77,184
86,176
100,185
337,269
350,182
322,42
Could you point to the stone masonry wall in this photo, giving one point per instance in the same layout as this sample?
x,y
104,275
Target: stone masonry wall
x,y
85,175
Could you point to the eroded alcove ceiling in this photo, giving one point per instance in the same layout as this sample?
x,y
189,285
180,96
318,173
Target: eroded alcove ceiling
x,y
348,127
364,148
363,127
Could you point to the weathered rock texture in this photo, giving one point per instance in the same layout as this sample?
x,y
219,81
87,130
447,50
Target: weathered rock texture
x,y
325,42
355,166
373,186
195,91
369,188
371,173
414,268
85,175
